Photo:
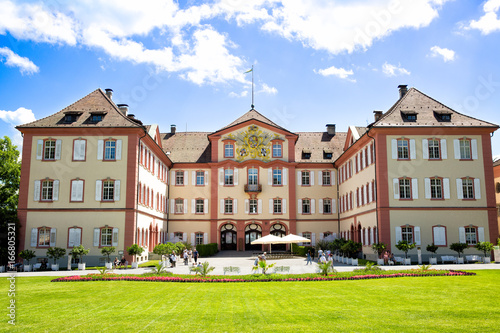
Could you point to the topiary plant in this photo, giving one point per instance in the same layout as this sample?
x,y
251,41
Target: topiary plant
x,y
107,250
432,248
458,247
379,248
404,246
485,247
55,253
27,255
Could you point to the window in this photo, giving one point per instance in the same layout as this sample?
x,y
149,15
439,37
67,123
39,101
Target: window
x,y
277,206
79,149
49,150
307,235
407,234
471,235
327,206
69,118
200,178
106,236
433,145
436,188
110,150
468,188
199,206
74,236
44,236
179,206
95,118
253,206
277,149
403,149
179,178
327,155
327,178
108,190
47,190
306,155
404,188
229,149
306,206
253,175
439,235
277,177
199,238
77,190
306,178
179,236
228,177
465,151
228,206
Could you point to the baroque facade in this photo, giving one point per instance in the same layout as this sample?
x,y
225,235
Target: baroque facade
x,y
93,174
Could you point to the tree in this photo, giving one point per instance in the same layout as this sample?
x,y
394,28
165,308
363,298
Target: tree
x,y
404,246
351,248
432,248
10,172
163,249
458,247
485,247
79,252
27,255
379,248
55,253
107,250
135,250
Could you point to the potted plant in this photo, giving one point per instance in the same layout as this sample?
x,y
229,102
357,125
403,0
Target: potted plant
x,y
459,248
55,253
78,252
379,248
27,255
404,246
485,247
162,250
106,251
432,248
135,250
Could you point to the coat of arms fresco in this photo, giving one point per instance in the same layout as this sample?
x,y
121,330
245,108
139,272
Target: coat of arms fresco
x,y
253,144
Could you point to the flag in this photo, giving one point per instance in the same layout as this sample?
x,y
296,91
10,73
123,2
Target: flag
x,y
248,71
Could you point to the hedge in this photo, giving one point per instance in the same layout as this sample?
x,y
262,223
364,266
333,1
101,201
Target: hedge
x,y
300,250
207,250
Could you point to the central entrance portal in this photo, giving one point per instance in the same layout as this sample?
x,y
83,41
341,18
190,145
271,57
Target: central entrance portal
x,y
278,230
252,232
228,237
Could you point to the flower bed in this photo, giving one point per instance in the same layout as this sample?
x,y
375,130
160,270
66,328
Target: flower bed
x,y
114,277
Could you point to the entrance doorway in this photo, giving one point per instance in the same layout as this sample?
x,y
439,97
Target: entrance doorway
x,y
278,230
252,232
228,237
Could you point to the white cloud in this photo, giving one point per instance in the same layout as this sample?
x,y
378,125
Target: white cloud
x,y
268,90
393,70
447,54
489,22
12,59
18,117
338,72
236,95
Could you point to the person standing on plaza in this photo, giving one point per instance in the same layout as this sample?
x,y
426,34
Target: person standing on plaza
x,y
195,255
313,252
320,253
309,259
190,255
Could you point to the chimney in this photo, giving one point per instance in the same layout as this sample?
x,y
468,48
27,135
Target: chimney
x,y
330,129
109,93
172,129
123,108
403,89
377,115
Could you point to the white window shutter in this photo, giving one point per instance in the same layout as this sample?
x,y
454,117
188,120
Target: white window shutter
x,y
332,177
320,178
414,188
193,206
78,236
477,188
171,235
206,178
369,157
480,234
320,206
371,236
395,183
299,206
55,190
205,206
34,237
185,206
71,237
36,193
394,145
417,235
358,162
285,176
460,192
425,149
311,177
235,206
363,152
118,154
236,173
444,149
98,189
186,180
259,206
221,176
57,154
446,187
205,238
439,236
97,233
366,237
172,177
247,206
321,236
299,178
413,152
270,176
398,234
184,236
313,238
117,190
355,203
313,206
456,145
427,187
271,209
222,206
39,150
370,192
473,148
461,234
193,178
114,241
76,150
334,206
193,238
100,149
364,194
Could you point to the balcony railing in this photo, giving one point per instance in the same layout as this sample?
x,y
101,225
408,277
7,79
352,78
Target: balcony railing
x,y
253,188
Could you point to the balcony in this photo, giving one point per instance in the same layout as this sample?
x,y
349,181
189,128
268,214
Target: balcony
x,y
253,188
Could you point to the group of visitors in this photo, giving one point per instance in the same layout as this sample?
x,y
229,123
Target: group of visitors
x,y
323,256
187,255
120,263
389,258
260,258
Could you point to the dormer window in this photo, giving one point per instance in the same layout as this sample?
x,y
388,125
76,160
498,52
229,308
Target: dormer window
x,y
96,117
306,154
327,154
409,116
443,116
71,116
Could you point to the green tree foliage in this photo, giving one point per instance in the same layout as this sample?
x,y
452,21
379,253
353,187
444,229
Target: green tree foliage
x,y
458,247
405,247
379,248
432,248
107,250
484,247
55,253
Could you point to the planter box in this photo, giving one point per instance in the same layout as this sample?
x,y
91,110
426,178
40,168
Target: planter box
x,y
380,262
433,261
487,260
354,262
345,260
109,265
349,261
407,261
135,265
2,269
460,260
54,267
81,267
27,268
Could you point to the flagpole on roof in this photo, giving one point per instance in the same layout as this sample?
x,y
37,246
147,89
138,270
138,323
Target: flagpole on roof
x,y
248,71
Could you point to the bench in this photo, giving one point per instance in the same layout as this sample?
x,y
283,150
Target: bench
x,y
281,269
473,258
444,259
231,269
399,260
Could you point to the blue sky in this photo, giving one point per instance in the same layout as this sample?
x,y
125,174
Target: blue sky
x,y
182,62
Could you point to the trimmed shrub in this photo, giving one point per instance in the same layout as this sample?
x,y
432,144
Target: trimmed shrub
x,y
207,250
300,250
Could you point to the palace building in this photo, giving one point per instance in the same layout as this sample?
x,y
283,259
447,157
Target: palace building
x,y
94,174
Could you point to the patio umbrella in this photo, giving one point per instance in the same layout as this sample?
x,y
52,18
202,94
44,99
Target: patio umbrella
x,y
291,238
269,239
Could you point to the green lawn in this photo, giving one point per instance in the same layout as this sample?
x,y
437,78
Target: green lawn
x,y
424,304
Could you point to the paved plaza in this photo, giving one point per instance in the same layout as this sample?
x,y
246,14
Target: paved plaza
x,y
245,261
